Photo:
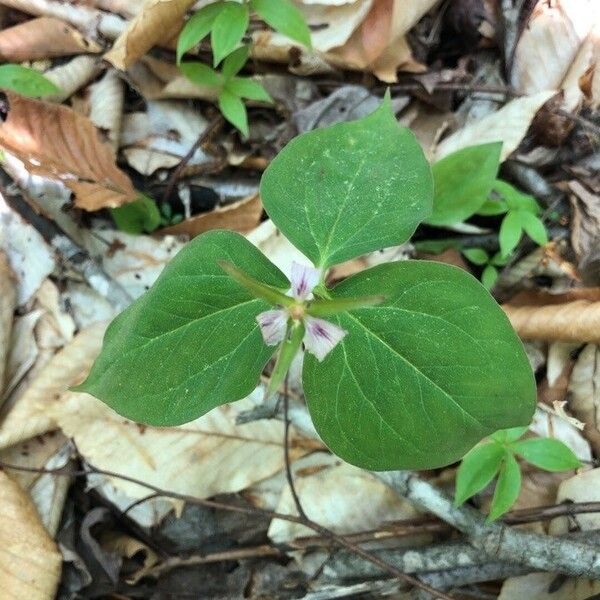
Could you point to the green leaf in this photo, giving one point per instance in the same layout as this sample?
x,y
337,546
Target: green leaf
x,y
477,256
26,81
514,199
547,453
462,183
235,61
507,489
191,342
489,276
141,215
510,233
201,74
421,378
498,260
197,28
507,436
228,29
326,307
248,88
283,16
352,188
493,207
287,352
533,227
476,471
234,111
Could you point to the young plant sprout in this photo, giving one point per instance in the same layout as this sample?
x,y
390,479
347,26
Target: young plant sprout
x,y
408,364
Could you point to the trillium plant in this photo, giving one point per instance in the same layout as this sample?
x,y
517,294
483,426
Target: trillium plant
x,y
407,365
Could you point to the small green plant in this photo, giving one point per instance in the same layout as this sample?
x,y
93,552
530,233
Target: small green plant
x,y
490,264
26,81
140,216
227,22
407,364
497,457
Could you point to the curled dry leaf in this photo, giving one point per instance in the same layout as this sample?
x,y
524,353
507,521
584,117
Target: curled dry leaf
x,y
72,76
508,125
585,231
8,303
242,216
577,321
106,106
157,22
45,37
56,142
30,562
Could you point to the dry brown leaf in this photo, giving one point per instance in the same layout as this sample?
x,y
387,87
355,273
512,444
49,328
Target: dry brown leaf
x,y
54,141
577,321
8,303
157,22
30,416
508,125
45,37
242,216
30,563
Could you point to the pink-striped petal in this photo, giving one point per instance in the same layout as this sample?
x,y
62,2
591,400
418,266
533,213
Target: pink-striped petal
x,y
273,326
321,336
303,279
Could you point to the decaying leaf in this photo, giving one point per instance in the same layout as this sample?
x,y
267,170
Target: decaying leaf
x,y
242,216
30,563
44,37
72,76
585,231
8,302
56,142
508,125
157,22
106,106
577,321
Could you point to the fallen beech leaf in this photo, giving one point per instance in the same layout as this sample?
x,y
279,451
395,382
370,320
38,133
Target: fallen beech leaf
x,y
508,125
8,303
158,21
72,76
577,321
30,563
241,216
56,142
44,37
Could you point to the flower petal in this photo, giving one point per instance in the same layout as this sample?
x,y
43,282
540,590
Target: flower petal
x,y
321,336
304,279
273,325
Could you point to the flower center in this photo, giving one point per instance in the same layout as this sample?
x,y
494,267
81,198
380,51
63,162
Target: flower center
x,y
297,311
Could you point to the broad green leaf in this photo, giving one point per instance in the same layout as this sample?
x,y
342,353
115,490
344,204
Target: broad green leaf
x,y
533,227
201,74
493,207
507,489
234,111
507,436
197,28
476,471
352,188
141,215
284,17
235,61
478,256
421,378
514,199
462,183
547,453
248,88
191,342
510,233
489,276
228,29
26,81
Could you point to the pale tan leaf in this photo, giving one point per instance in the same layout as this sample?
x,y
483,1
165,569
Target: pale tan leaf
x,y
508,125
56,142
577,321
242,216
541,586
30,415
8,303
72,76
158,21
30,563
106,106
45,37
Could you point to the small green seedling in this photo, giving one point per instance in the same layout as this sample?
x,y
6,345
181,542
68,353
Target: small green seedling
x,y
227,22
26,81
522,216
140,216
490,264
497,457
407,365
